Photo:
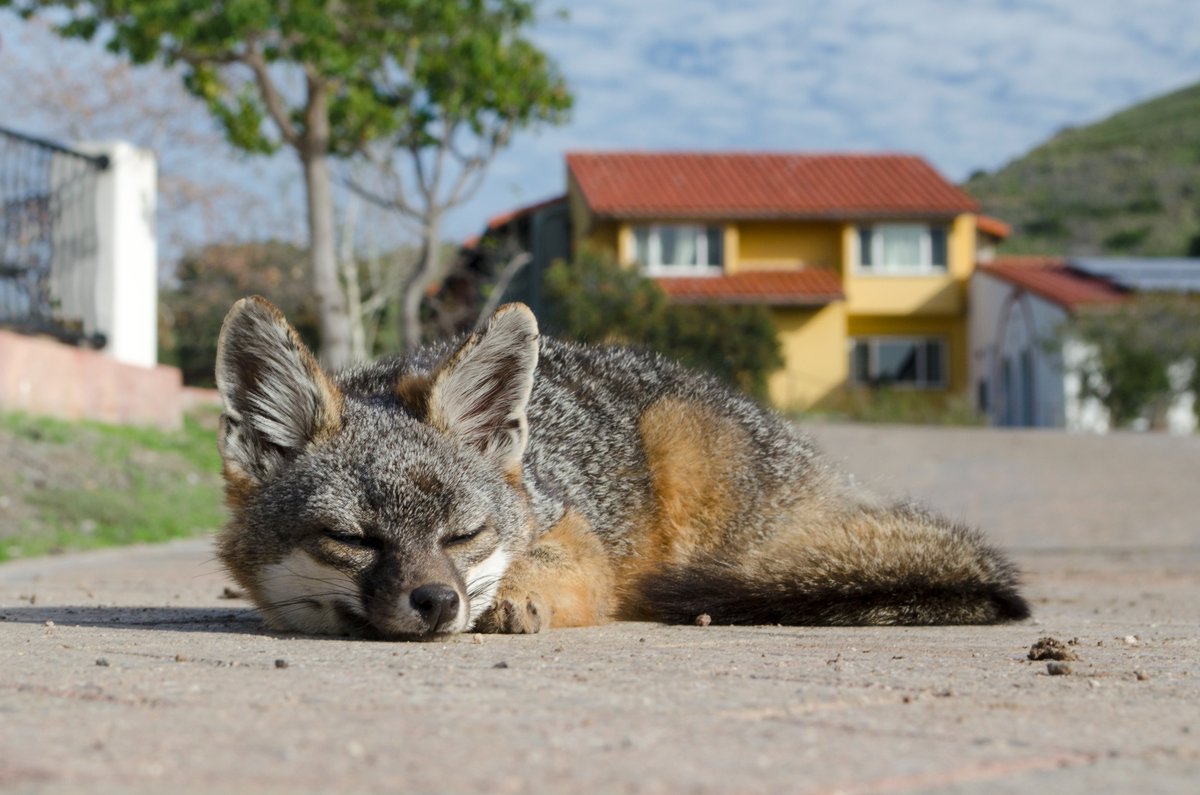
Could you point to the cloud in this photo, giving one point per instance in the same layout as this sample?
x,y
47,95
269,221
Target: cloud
x,y
967,85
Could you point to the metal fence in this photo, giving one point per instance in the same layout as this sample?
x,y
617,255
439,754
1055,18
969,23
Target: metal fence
x,y
48,235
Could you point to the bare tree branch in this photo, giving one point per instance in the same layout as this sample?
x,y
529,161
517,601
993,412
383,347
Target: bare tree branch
x,y
276,105
514,266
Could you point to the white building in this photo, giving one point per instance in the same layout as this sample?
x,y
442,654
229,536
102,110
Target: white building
x,y
1024,372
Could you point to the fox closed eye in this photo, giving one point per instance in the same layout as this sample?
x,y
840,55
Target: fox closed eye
x,y
355,540
465,538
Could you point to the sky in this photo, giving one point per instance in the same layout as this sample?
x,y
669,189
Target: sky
x,y
968,84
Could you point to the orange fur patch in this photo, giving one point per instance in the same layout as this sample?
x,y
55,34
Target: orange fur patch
x,y
569,569
693,454
239,487
413,392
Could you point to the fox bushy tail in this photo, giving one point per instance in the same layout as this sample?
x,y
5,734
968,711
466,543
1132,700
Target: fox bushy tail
x,y
890,565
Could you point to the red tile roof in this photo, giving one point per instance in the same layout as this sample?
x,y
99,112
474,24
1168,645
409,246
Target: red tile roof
x,y
508,216
806,287
993,226
742,186
1053,279
497,221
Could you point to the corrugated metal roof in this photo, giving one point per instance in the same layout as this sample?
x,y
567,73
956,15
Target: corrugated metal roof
x,y
744,185
806,287
1145,274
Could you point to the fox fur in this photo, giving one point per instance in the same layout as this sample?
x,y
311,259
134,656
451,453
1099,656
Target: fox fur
x,y
511,482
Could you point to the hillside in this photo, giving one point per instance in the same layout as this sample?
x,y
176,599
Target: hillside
x,y
1129,185
67,485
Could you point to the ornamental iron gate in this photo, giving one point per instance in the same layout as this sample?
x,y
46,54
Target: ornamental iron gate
x,y
48,235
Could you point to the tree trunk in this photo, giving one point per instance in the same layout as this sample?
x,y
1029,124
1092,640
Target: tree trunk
x,y
348,269
318,184
427,270
331,301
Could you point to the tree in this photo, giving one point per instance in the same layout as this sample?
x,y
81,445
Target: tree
x,y
208,281
327,78
67,90
479,82
1144,353
593,299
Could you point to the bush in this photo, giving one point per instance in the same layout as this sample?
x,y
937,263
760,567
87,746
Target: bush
x,y
1126,240
208,281
596,300
1135,346
904,407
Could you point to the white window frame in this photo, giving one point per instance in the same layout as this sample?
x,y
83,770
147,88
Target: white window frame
x,y
924,267
921,343
655,266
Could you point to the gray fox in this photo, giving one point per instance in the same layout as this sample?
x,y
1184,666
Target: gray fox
x,y
509,482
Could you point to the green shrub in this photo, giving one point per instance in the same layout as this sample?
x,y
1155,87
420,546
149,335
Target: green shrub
x,y
904,407
1134,345
593,299
1126,239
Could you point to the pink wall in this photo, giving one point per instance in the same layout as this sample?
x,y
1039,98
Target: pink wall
x,y
42,376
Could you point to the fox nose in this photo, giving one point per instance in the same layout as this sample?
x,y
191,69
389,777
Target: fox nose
x,y
437,605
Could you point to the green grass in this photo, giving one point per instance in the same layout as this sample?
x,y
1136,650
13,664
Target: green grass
x,y
898,407
87,485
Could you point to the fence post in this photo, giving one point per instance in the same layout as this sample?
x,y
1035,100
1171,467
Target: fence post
x,y
127,253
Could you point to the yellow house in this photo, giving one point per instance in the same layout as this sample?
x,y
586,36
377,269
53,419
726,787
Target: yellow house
x,y
862,259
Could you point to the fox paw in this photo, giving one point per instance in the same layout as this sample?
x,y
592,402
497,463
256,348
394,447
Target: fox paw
x,y
516,616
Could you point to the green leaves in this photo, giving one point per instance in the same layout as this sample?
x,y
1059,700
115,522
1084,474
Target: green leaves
x,y
595,300
409,69
1141,351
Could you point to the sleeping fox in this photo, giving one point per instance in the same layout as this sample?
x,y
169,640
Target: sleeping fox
x,y
510,482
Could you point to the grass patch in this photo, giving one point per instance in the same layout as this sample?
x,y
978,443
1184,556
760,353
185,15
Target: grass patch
x,y
85,485
901,407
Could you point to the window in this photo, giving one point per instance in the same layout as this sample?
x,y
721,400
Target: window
x,y
917,362
902,248
678,250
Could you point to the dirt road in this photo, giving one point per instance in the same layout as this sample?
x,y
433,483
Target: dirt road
x,y
126,670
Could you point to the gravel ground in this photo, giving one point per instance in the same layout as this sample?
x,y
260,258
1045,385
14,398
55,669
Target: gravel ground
x,y
127,670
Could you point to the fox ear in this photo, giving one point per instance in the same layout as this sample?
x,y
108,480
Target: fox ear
x,y
276,398
480,393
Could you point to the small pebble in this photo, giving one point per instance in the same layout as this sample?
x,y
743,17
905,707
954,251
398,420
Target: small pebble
x,y
103,663
49,623
500,664
1051,649
1131,640
281,663
703,620
180,658
478,638
1142,676
1058,668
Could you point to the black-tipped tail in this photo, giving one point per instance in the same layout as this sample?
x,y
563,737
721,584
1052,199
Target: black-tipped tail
x,y
680,594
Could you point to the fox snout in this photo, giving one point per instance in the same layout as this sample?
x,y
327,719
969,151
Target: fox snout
x,y
437,605
434,608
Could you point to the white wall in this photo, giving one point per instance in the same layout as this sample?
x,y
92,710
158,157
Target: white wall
x,y
1181,414
1008,323
125,291
1083,414
1006,320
